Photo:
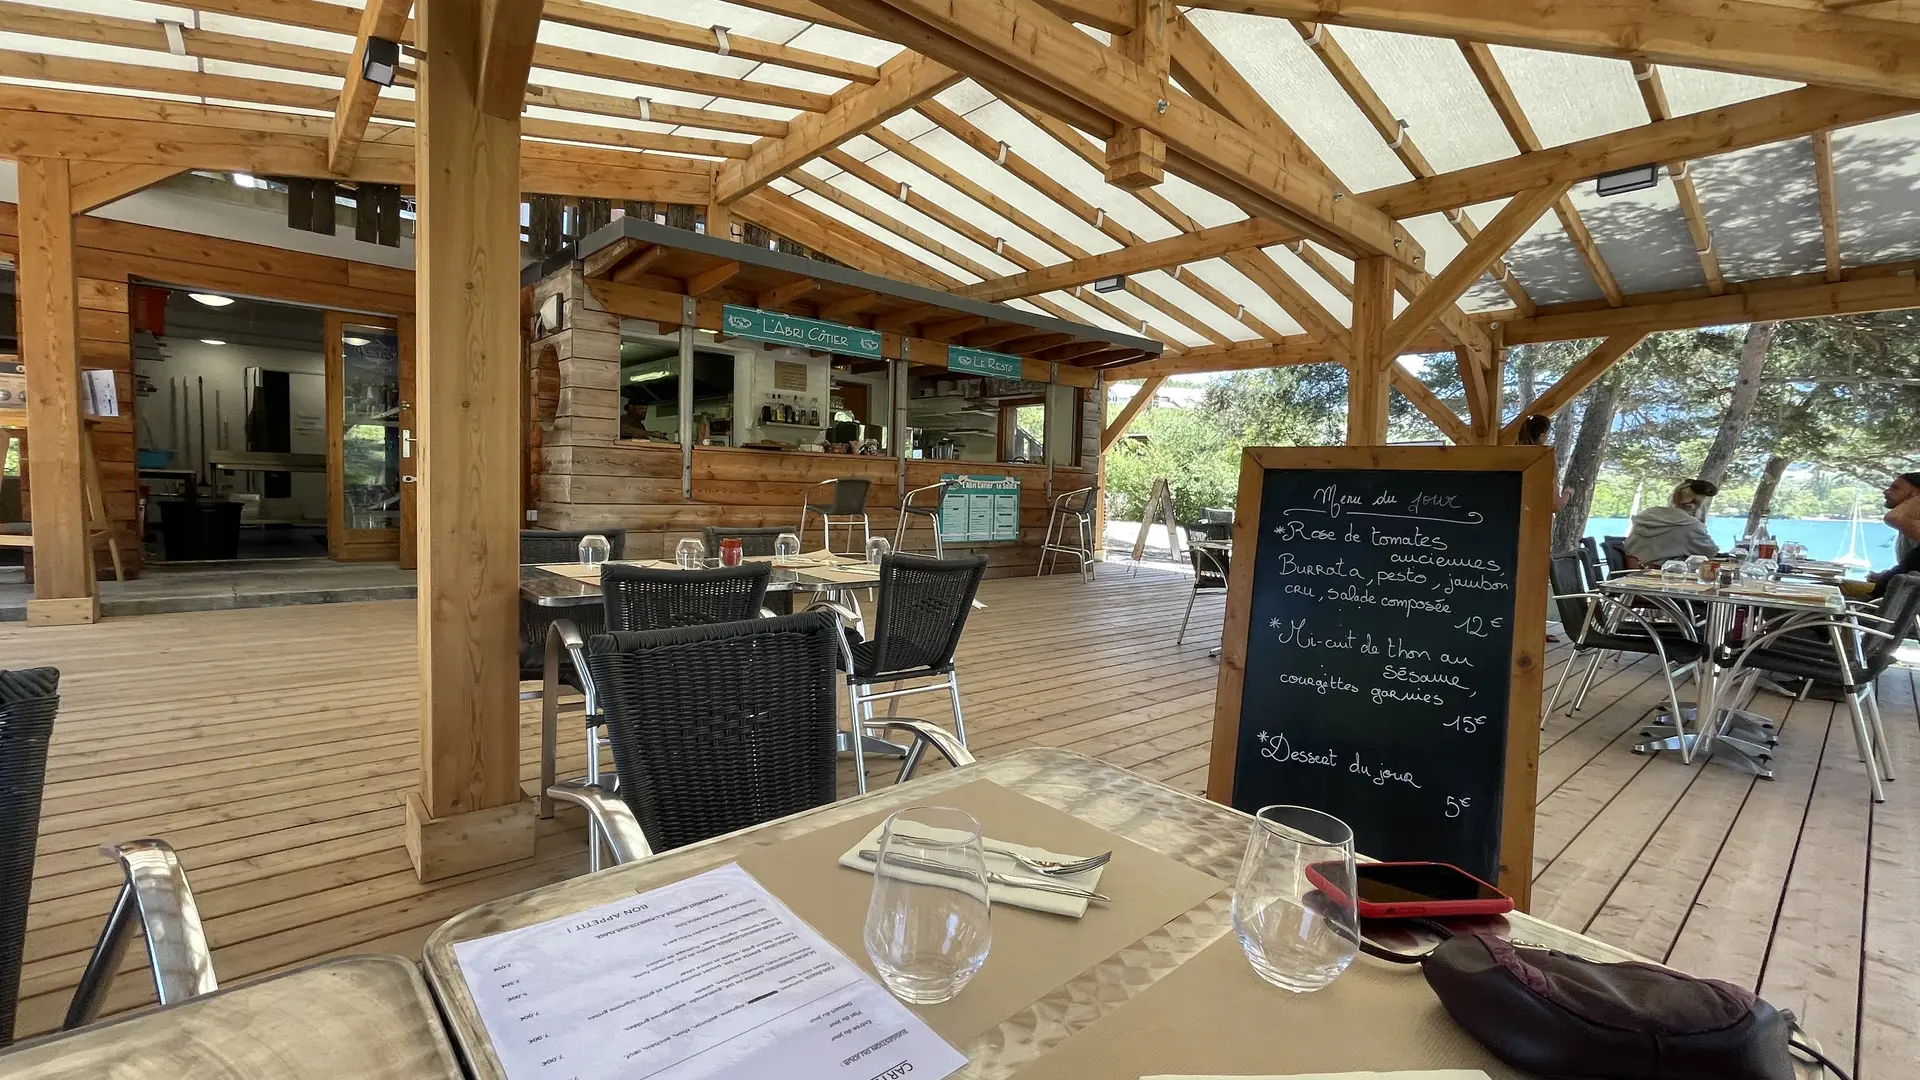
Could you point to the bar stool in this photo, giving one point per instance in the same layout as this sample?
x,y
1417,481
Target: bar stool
x,y
845,504
930,511
1074,507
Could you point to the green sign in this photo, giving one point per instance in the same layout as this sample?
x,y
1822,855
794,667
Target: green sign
x,y
981,362
810,334
980,509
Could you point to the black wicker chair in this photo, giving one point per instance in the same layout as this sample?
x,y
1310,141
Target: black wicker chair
x,y
752,541
1597,623
1211,567
553,546
28,700
1590,561
845,503
716,728
1615,550
920,611
643,598
1793,649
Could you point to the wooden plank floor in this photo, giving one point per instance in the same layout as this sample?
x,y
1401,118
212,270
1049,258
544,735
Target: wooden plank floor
x,y
272,746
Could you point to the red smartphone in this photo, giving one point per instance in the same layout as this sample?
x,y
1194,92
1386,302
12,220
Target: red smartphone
x,y
1409,890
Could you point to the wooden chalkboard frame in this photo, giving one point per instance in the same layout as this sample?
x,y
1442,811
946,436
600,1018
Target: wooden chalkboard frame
x,y
1526,664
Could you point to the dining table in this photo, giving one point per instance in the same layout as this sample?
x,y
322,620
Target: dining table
x,y
1154,983
351,1018
1738,737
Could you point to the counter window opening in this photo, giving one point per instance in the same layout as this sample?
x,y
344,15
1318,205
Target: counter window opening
x,y
649,389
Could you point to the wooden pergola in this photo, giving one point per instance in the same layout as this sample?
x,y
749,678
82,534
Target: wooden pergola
x,y
1253,183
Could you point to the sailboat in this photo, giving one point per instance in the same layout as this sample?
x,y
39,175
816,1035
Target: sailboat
x,y
1637,489
1853,560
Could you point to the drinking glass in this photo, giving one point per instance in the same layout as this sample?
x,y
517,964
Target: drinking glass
x,y
731,551
690,553
1674,570
594,549
1293,904
878,548
929,924
786,545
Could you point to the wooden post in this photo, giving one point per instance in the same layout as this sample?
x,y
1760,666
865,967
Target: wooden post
x,y
1496,387
469,811
63,587
1367,378
719,220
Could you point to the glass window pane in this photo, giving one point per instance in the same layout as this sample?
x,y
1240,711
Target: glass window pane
x,y
370,430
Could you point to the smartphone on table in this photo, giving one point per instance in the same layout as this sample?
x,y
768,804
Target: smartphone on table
x,y
1411,890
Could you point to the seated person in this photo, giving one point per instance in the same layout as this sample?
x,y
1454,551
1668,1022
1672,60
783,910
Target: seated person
x,y
633,422
1674,531
1903,516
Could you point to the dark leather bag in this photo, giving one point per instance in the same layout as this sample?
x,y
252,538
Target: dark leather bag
x,y
1566,1018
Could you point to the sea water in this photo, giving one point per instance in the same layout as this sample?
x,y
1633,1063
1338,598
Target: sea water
x,y
1825,538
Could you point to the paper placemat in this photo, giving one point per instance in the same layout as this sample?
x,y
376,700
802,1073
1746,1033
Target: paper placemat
x,y
1033,953
1214,1016
859,573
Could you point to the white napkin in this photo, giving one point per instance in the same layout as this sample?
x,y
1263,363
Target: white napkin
x,y
822,557
1032,899
1418,1074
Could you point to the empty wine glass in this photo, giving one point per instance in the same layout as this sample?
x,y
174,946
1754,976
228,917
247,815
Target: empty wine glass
x,y
878,548
690,553
1674,570
786,545
929,923
1293,903
594,549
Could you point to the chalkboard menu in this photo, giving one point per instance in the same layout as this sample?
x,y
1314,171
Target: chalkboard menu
x,y
1385,629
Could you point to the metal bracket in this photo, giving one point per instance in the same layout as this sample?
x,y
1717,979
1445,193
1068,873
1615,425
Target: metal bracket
x,y
176,36
720,39
646,108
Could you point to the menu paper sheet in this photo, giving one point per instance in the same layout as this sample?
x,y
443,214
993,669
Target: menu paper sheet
x,y
710,977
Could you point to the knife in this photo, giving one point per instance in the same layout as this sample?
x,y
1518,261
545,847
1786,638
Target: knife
x,y
993,876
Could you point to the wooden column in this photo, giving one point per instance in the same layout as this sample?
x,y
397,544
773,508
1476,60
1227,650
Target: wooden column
x,y
1367,378
1496,385
719,220
63,587
469,811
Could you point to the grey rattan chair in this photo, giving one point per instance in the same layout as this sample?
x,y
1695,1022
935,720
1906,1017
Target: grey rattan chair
x,y
844,502
928,509
717,728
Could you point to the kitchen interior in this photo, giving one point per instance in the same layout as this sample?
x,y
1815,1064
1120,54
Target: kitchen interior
x,y
777,398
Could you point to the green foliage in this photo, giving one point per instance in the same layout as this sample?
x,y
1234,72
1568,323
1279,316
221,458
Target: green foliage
x,y
1187,447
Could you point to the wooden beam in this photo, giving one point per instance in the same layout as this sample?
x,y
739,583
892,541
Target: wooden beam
x,y
1423,398
1578,377
620,69
507,46
1493,81
948,329
49,321
1025,51
1155,255
1136,156
1829,209
842,310
632,269
1367,378
1480,411
1291,351
712,278
380,18
117,182
1141,399
904,82
1487,431
1653,92
719,220
1747,37
1452,283
1888,287
614,20
467,285
787,293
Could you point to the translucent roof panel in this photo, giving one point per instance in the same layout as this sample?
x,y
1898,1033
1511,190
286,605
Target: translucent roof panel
x,y
1876,181
1642,236
1763,209
1548,266
855,223
1241,290
1567,98
1322,290
1000,121
1014,191
833,42
1692,90
1203,206
1427,83
1271,56
886,203
1196,306
892,165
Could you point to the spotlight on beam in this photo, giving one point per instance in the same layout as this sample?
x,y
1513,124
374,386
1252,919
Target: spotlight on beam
x,y
1619,183
381,61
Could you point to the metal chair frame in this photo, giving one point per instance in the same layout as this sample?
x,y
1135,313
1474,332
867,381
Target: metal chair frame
x,y
1597,602
156,895
1054,542
1219,573
828,519
932,513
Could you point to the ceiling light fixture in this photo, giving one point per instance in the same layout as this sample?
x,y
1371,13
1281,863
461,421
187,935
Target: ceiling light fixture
x,y
381,60
210,299
211,341
245,180
1625,180
649,376
1110,284
356,341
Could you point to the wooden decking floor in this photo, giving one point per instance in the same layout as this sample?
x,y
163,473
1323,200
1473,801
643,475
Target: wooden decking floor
x,y
271,747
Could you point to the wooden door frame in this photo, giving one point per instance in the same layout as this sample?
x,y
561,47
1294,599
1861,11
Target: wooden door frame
x,y
369,545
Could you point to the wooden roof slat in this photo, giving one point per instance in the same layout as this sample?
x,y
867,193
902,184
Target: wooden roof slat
x,y
1829,210
633,24
1653,92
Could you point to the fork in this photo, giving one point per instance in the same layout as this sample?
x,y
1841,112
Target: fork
x,y
1053,867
